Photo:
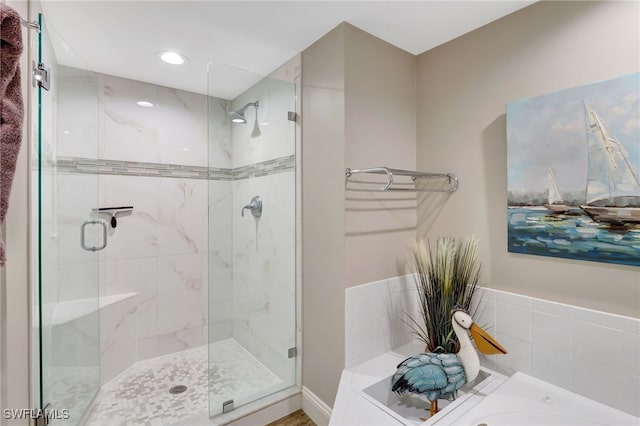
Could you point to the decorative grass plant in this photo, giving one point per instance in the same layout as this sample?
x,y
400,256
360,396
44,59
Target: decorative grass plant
x,y
445,277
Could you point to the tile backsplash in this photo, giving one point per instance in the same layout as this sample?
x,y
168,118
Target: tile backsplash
x,y
591,353
376,318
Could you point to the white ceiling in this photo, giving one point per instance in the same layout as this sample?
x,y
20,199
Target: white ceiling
x,y
122,37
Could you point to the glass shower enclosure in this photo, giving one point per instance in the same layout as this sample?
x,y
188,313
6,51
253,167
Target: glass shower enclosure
x,y
68,238
231,204
252,269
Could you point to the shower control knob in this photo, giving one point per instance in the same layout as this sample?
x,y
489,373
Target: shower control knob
x,y
255,206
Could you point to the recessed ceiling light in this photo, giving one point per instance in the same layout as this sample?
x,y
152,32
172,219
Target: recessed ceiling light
x,y
172,58
145,104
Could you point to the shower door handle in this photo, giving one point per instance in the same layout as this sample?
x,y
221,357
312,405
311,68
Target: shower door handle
x,y
83,229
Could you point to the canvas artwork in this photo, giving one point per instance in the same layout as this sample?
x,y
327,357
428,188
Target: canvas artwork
x,y
573,173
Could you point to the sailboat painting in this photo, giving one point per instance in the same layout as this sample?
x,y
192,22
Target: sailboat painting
x,y
573,170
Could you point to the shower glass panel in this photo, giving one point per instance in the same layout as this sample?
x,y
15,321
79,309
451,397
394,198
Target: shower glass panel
x,y
68,234
252,240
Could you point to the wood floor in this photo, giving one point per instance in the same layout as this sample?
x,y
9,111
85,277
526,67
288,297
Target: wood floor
x,y
297,418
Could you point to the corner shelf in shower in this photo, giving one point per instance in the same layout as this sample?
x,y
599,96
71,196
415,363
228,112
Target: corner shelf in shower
x,y
449,179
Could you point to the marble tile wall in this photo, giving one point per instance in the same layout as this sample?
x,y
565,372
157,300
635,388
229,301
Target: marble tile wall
x,y
592,353
264,271
264,256
277,138
176,251
155,159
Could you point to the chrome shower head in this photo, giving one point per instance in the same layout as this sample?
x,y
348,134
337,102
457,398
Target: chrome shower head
x,y
237,116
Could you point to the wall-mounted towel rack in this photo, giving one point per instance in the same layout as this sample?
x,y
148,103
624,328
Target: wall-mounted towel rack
x,y
452,179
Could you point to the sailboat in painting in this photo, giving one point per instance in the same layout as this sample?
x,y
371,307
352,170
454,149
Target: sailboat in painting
x,y
554,199
613,189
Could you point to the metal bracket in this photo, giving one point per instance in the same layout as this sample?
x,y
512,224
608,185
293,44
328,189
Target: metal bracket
x,y
32,25
43,418
292,116
41,76
292,352
227,406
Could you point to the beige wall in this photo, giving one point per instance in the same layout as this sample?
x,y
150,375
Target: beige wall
x,y
380,111
323,214
358,111
14,342
463,87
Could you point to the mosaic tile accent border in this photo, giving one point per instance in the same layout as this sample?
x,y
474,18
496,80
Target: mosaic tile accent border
x,y
269,167
79,165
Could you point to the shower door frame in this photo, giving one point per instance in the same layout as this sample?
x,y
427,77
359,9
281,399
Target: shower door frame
x,y
287,396
43,322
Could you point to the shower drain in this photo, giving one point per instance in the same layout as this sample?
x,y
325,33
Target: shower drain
x,y
177,389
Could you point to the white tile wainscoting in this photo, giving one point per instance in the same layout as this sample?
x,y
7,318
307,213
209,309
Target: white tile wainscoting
x,y
591,353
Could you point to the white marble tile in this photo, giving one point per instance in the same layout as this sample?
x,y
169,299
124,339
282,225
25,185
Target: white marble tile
x,y
552,366
552,332
147,348
180,293
75,196
181,340
118,338
181,123
77,112
74,343
220,126
137,235
182,216
130,131
78,281
277,137
140,276
220,331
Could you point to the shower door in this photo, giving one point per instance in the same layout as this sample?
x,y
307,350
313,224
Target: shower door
x,y
67,235
252,237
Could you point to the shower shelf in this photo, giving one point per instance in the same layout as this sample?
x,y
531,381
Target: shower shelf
x,y
452,180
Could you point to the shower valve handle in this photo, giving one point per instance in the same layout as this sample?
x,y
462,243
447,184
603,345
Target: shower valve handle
x,y
255,206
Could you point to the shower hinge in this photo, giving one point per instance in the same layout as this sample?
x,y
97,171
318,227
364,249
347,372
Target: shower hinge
x,y
227,406
292,352
292,116
43,416
41,75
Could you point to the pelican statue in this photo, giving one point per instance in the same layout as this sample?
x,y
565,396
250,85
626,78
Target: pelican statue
x,y
441,375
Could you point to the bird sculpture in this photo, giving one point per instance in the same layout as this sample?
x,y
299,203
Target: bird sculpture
x,y
441,375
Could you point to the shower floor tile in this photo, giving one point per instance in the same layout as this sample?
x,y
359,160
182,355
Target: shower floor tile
x,y
140,395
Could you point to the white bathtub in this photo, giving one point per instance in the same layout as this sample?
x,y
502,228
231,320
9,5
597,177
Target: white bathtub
x,y
525,400
365,398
